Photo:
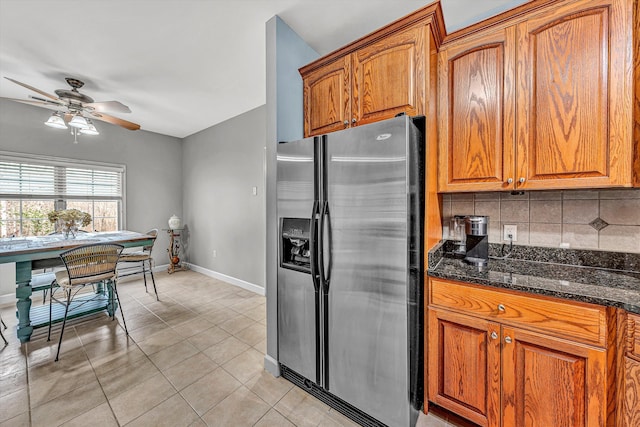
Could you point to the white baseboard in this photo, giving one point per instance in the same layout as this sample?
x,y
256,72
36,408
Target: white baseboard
x,y
232,280
8,299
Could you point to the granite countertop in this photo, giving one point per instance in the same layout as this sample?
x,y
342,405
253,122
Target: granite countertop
x,y
604,278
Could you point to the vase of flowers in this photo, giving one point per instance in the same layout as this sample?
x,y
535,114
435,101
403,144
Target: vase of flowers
x,y
68,221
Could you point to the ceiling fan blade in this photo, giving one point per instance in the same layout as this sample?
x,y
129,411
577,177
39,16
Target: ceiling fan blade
x,y
41,92
116,121
110,106
43,104
48,101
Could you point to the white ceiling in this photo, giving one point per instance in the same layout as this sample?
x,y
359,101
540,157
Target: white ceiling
x,y
182,65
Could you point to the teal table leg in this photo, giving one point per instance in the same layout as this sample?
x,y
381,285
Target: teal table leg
x,y
23,294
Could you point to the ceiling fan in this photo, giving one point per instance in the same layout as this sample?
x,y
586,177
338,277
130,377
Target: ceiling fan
x,y
75,108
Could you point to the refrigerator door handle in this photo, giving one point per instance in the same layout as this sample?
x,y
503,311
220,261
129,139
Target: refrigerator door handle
x,y
330,262
325,275
313,247
321,246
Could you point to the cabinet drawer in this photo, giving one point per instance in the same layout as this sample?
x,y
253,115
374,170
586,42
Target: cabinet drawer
x,y
633,334
576,321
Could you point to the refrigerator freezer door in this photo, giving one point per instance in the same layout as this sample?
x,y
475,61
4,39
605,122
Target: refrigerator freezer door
x,y
297,299
367,300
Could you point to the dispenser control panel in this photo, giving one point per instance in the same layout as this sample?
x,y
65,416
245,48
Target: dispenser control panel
x,y
295,249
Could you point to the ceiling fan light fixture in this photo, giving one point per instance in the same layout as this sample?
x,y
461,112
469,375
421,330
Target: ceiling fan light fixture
x,y
56,121
91,130
79,122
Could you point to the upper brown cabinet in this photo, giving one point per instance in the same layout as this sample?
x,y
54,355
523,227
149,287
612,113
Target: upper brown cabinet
x,y
375,78
327,95
476,120
388,77
542,101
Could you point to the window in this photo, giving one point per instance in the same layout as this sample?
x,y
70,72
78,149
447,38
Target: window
x,y
32,186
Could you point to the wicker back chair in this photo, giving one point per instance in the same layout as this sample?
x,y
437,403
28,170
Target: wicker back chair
x,y
86,265
142,257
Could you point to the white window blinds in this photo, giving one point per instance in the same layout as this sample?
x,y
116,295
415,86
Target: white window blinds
x,y
24,177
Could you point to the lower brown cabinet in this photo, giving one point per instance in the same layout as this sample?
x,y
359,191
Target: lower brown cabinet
x,y
631,416
629,413
502,369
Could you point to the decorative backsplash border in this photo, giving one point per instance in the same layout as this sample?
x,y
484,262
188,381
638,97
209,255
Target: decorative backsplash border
x,y
607,220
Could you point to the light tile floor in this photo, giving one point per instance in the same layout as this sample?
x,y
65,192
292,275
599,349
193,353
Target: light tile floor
x,y
194,358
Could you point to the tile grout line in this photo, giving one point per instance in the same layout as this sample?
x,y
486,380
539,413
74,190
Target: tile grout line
x,y
97,379
26,365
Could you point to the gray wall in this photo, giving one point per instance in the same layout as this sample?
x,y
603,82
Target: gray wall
x,y
153,162
221,165
286,52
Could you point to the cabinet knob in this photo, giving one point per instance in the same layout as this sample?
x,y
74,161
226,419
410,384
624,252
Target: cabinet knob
x,y
510,181
507,339
353,120
501,308
494,335
346,122
521,180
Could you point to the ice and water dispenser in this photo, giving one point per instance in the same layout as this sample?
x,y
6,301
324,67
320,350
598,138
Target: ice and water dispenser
x,y
295,249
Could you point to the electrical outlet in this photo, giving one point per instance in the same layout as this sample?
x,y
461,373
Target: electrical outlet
x,y
254,191
215,253
510,233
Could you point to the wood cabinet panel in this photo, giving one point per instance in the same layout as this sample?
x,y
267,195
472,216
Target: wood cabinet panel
x,y
631,393
566,129
327,98
633,335
464,364
476,110
581,322
551,382
569,83
389,77
478,137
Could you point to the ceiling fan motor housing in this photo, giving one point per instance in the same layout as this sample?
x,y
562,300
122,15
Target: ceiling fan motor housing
x,y
73,93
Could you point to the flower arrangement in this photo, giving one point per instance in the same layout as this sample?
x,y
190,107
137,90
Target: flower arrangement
x,y
69,220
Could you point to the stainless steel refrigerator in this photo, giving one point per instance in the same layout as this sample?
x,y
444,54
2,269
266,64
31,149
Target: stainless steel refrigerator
x,y
350,207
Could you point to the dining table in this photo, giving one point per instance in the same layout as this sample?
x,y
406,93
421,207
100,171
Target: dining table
x,y
33,253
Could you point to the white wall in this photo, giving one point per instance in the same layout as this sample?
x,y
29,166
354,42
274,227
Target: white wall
x,y
221,167
153,162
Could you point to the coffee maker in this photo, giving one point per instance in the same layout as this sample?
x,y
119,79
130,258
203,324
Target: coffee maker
x,y
477,241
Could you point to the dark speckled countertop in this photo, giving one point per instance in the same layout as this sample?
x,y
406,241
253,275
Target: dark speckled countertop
x,y
597,277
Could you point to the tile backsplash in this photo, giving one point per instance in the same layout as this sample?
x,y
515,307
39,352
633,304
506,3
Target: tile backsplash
x,y
585,219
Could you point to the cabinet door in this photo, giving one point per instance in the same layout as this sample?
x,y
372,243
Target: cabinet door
x,y
631,398
551,382
574,96
389,77
327,98
464,366
476,113
630,393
